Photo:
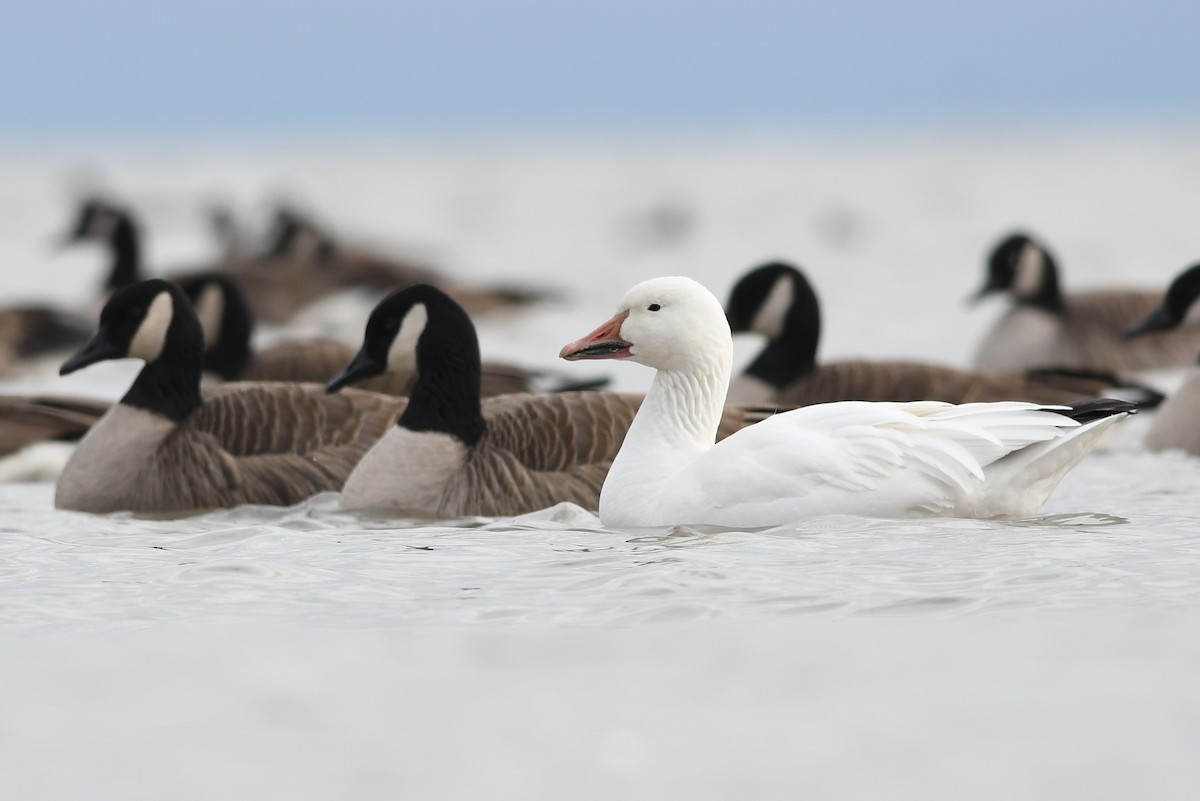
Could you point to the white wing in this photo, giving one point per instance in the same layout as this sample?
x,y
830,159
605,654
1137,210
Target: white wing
x,y
876,459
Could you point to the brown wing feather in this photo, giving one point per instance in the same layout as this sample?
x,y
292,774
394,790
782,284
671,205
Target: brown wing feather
x,y
28,420
909,381
266,444
1095,324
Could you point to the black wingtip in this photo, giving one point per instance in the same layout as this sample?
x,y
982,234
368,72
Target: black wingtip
x,y
1091,410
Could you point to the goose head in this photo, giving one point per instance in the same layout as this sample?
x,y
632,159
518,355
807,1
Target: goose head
x,y
295,236
671,324
1024,268
420,328
96,221
226,319
101,221
394,332
150,320
777,301
1178,308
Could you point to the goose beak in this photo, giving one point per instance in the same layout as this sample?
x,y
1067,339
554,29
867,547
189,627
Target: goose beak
x,y
975,297
97,349
360,368
1158,320
603,343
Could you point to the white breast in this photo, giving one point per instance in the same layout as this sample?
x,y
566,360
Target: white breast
x,y
110,458
406,471
1024,337
1177,422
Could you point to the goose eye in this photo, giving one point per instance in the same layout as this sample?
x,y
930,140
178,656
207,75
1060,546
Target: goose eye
x,y
653,307
391,324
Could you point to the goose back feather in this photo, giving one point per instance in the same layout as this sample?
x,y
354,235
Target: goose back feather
x,y
26,421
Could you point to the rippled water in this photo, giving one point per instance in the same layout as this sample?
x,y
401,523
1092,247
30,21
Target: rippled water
x,y
308,653
318,564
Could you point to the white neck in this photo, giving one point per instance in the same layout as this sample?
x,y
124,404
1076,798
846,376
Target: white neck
x,y
676,423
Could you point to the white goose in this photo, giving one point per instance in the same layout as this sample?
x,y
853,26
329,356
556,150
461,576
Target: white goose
x,y
876,459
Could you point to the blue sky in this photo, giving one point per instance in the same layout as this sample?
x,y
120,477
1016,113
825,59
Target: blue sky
x,y
76,68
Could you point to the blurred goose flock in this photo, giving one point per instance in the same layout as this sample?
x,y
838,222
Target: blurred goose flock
x,y
330,394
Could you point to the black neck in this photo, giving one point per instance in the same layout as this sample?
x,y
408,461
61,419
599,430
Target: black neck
x,y
169,386
446,395
228,357
230,354
126,256
793,353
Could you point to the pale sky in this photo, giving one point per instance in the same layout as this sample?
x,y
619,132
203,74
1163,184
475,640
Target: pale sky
x,y
147,66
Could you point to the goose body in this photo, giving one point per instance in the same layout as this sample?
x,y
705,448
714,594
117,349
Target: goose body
x,y
877,459
451,454
168,448
1081,330
777,301
1176,425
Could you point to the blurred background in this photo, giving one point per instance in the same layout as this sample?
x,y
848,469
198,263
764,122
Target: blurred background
x,y
131,69
583,147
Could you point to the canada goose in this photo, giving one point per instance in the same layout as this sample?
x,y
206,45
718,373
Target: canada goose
x,y
166,448
302,264
276,287
297,235
852,457
228,324
27,420
1177,423
451,454
777,301
1084,330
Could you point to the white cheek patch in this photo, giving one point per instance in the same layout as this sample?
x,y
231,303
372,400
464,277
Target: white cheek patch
x,y
770,317
210,308
1031,270
147,343
402,355
1192,318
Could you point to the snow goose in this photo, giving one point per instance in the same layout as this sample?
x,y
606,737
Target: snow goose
x,y
166,448
1176,425
852,457
777,301
452,454
1082,330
